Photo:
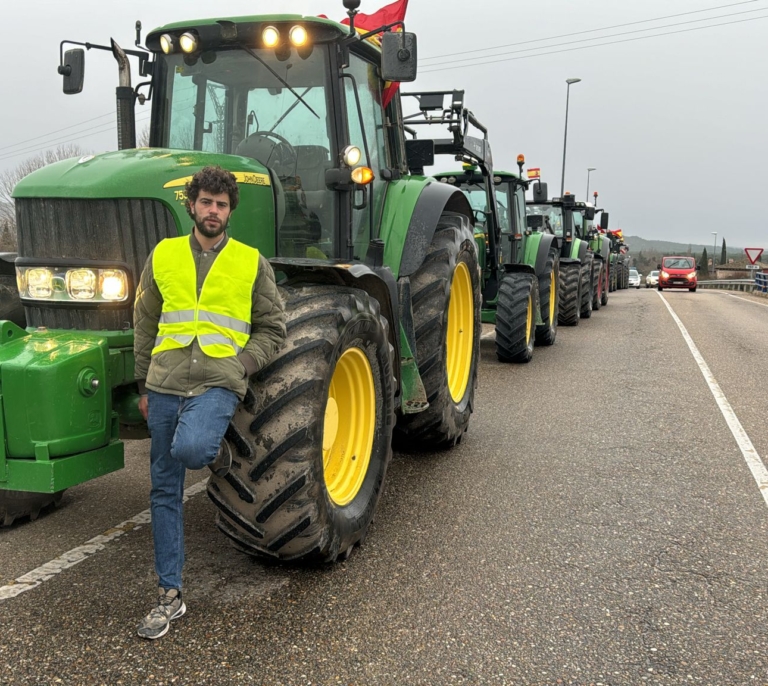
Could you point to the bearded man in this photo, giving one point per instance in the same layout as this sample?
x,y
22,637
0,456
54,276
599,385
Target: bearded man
x,y
207,316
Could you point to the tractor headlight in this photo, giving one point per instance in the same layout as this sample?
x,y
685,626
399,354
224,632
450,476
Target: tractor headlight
x,y
352,155
298,35
113,284
39,282
188,42
167,43
81,284
270,37
73,284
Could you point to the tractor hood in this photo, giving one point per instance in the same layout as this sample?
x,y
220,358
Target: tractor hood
x,y
134,173
157,174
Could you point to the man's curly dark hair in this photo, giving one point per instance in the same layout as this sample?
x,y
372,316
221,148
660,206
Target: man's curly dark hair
x,y
213,180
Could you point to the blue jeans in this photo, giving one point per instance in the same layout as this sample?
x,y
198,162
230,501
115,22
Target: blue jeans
x,y
186,434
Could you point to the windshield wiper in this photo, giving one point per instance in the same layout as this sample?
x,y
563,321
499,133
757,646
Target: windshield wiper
x,y
279,78
289,110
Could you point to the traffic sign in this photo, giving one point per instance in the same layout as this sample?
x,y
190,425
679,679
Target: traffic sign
x,y
753,254
753,266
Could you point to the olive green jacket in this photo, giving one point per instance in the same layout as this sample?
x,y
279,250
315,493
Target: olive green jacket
x,y
189,371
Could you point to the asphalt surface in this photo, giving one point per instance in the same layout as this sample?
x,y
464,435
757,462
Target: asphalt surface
x,y
598,525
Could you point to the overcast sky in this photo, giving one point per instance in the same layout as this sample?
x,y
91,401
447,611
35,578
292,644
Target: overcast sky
x,y
675,125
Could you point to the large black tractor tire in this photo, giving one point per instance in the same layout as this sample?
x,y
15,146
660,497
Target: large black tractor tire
x,y
606,284
449,270
549,299
516,309
625,275
597,284
313,439
614,276
585,306
19,504
570,294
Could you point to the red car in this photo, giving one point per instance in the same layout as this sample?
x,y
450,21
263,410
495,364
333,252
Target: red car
x,y
678,272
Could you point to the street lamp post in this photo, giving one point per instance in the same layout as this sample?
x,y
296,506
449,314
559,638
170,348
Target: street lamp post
x,y
589,170
565,137
714,250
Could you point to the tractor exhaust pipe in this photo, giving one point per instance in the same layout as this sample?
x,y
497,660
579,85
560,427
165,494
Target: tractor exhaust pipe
x,y
126,116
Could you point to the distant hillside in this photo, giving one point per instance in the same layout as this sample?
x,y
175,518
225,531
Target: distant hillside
x,y
636,244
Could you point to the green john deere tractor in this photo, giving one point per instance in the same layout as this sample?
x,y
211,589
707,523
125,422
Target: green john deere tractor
x,y
620,260
378,269
599,247
520,268
563,218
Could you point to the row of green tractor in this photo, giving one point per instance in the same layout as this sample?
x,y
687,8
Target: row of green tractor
x,y
387,273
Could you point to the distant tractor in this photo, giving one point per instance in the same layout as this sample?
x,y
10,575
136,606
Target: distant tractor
x,y
531,262
379,273
564,218
513,263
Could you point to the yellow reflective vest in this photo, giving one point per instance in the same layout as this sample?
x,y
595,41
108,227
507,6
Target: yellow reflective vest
x,y
221,318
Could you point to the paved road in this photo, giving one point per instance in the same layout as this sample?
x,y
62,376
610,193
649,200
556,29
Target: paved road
x,y
598,525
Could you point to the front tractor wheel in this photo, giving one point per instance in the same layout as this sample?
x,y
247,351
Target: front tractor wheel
x,y
585,307
597,284
570,294
446,316
516,317
549,299
19,504
313,438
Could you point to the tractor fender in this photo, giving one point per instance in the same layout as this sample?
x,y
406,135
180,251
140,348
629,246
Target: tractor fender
x,y
434,199
547,239
519,268
378,282
583,245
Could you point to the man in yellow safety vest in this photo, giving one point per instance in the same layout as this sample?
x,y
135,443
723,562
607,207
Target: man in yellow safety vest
x,y
207,316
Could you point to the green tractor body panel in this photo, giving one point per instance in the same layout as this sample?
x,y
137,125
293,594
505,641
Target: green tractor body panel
x,y
402,196
161,174
532,243
57,421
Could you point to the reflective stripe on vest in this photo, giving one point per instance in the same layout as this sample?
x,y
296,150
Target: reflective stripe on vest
x,y
221,318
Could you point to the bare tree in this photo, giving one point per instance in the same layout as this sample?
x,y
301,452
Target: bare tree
x,y
9,179
143,141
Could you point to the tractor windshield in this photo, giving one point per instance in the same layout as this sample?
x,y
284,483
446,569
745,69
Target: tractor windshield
x,y
478,198
244,101
553,217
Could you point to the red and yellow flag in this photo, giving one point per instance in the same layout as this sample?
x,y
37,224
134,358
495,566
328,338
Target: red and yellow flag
x,y
534,173
388,14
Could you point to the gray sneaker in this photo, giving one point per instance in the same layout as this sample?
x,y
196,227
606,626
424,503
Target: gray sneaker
x,y
223,460
170,606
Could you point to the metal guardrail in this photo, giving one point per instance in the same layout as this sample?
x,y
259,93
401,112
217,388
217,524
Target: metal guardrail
x,y
761,283
744,285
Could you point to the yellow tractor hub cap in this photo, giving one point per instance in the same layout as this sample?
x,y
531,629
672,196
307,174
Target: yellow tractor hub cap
x,y
461,332
552,296
529,321
349,426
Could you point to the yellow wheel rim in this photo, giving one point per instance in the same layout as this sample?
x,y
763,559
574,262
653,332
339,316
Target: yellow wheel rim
x,y
461,332
552,296
529,321
349,426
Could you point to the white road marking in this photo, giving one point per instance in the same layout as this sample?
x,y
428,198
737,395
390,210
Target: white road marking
x,y
751,456
746,300
72,557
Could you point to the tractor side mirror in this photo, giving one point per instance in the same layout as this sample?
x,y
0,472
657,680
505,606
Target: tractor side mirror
x,y
398,56
72,69
604,221
589,213
540,192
